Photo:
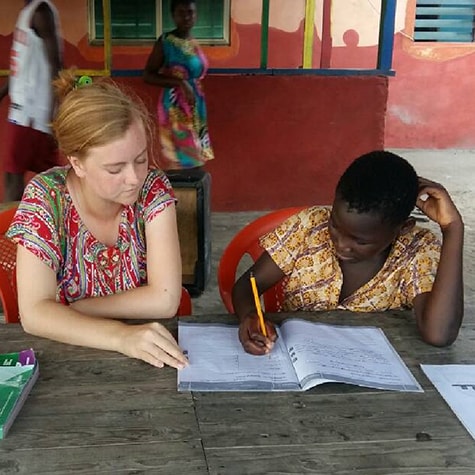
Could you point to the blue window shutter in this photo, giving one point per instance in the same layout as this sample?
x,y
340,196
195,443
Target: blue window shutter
x,y
444,21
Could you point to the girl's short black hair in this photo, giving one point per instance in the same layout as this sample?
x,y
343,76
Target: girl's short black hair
x,y
175,3
380,182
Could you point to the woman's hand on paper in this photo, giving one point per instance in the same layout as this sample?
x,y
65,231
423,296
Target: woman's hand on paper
x,y
251,337
152,343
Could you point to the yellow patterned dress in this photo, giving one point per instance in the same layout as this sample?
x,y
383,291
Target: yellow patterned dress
x,y
302,248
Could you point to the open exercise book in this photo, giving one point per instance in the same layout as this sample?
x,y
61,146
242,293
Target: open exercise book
x,y
305,354
18,374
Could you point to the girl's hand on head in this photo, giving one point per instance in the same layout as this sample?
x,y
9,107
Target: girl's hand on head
x,y
436,203
152,343
251,337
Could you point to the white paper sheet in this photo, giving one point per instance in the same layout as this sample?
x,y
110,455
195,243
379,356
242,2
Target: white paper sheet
x,y
456,384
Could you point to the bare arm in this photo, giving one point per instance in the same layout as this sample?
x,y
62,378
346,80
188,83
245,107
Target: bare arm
x,y
267,274
439,313
44,26
161,296
41,315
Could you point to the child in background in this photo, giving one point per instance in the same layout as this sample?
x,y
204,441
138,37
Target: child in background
x,y
364,254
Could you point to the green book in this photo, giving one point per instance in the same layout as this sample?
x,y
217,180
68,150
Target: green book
x,y
18,373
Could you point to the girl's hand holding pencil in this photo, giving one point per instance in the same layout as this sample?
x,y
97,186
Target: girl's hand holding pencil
x,y
257,302
251,337
257,335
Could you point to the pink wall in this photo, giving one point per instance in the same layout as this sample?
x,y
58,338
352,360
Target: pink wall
x,y
431,101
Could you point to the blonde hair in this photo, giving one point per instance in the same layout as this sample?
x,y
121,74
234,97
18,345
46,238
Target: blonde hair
x,y
94,114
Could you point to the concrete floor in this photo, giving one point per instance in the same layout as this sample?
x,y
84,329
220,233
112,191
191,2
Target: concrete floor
x,y
455,169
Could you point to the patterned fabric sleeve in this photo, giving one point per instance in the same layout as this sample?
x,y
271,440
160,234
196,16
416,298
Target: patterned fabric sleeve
x,y
419,274
35,226
285,242
157,194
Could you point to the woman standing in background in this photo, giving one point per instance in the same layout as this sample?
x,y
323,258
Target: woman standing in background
x,y
178,65
99,235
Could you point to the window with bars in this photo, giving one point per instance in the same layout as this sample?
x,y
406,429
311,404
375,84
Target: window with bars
x,y
445,21
145,20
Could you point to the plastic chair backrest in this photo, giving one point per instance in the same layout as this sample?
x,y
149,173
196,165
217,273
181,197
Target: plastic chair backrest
x,y
185,307
8,294
246,241
8,291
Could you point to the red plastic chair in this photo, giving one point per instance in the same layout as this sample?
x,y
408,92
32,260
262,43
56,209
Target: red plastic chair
x,y
8,291
245,242
185,308
8,294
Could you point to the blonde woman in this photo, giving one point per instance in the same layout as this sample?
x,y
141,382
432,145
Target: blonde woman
x,y
97,239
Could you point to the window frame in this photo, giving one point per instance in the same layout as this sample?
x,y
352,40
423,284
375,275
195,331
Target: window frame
x,y
93,40
435,42
435,50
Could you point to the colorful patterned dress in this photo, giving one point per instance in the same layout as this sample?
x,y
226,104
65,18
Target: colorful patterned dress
x,y
48,225
183,128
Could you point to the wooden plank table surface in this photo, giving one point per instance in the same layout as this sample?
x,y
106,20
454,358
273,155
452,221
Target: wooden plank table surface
x,y
99,412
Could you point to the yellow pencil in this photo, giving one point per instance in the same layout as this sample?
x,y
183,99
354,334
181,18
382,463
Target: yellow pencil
x,y
258,305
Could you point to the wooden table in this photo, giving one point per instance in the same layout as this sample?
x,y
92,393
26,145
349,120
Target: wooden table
x,y
99,412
